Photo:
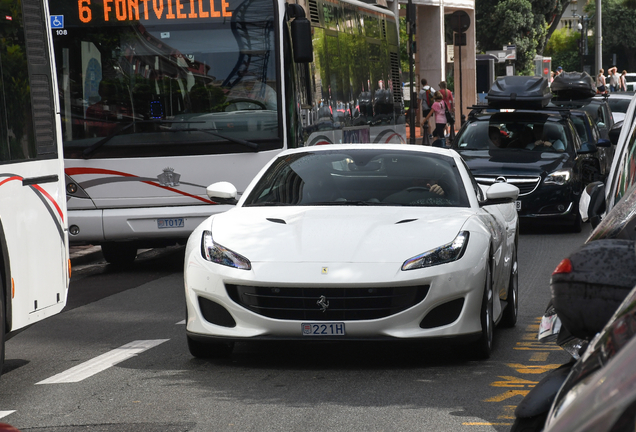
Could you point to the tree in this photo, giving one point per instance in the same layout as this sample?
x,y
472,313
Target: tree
x,y
523,23
619,20
563,47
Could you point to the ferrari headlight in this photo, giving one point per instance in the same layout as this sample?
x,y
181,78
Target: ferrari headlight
x,y
216,253
558,177
441,255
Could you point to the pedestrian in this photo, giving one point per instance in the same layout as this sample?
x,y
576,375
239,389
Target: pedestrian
x,y
622,82
559,71
600,82
613,79
439,109
551,76
447,95
426,97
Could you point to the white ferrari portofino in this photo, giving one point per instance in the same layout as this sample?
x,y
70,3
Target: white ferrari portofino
x,y
354,242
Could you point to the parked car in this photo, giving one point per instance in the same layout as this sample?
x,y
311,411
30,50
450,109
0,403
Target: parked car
x,y
550,180
600,197
350,242
588,132
618,103
577,91
600,392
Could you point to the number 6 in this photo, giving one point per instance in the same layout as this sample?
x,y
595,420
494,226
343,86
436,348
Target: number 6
x,y
85,14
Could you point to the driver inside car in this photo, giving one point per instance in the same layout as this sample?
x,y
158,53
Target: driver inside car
x,y
547,136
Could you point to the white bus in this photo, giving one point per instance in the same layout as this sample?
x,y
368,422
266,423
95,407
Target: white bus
x,y
161,98
34,256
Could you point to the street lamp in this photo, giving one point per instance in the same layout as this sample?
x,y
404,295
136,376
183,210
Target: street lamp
x,y
582,27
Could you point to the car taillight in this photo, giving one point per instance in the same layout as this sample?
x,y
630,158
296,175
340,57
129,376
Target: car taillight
x,y
564,266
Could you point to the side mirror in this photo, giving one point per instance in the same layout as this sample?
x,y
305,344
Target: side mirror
x,y
587,148
615,132
592,203
300,34
501,193
222,192
603,143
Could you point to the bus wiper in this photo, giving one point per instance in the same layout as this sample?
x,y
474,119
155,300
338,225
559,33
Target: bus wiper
x,y
88,151
249,144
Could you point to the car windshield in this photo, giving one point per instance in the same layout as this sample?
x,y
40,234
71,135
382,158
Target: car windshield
x,y
516,133
619,104
149,84
361,177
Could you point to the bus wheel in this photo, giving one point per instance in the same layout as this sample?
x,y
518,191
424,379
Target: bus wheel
x,y
119,254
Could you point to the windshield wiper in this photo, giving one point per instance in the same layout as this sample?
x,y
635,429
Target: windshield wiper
x,y
88,151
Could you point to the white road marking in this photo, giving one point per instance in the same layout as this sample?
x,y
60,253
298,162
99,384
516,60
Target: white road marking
x,y
180,322
102,362
6,413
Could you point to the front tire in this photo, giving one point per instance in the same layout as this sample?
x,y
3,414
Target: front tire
x,y
510,314
208,350
483,347
119,254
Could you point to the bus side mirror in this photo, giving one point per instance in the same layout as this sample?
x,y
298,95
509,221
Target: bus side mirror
x,y
300,34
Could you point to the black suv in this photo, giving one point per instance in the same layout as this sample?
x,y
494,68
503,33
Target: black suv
x,y
532,147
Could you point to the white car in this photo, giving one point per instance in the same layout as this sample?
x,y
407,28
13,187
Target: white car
x,y
351,242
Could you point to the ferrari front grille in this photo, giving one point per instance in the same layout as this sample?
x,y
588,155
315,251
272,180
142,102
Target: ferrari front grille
x,y
326,304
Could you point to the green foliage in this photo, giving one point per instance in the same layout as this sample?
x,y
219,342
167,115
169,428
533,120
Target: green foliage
x,y
619,37
522,23
563,47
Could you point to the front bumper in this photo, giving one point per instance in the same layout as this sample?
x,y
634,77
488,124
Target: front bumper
x,y
459,282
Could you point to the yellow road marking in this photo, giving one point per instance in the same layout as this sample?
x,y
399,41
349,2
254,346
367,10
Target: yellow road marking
x,y
510,381
509,412
507,395
539,356
485,424
533,369
536,346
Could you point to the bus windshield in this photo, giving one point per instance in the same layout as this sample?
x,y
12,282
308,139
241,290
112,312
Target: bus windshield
x,y
166,78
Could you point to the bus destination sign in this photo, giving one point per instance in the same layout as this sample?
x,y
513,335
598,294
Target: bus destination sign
x,y
145,10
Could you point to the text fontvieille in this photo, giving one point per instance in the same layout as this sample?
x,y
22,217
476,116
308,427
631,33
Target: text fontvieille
x,y
129,10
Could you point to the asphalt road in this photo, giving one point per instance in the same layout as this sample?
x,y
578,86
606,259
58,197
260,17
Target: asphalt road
x,y
116,360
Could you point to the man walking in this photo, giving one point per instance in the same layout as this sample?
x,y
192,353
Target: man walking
x,y
426,98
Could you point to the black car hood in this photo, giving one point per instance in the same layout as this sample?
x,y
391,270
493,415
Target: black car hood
x,y
514,162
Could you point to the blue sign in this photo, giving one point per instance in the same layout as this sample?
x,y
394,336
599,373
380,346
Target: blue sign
x,y
57,21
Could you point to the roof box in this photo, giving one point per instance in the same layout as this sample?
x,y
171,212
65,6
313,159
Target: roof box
x,y
573,85
519,92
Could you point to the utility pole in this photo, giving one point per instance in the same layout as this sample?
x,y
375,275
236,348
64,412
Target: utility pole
x,y
411,27
599,37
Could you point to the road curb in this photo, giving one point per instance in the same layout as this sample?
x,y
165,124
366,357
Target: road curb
x,y
83,254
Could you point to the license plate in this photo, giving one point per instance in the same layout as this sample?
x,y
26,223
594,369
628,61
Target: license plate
x,y
170,223
323,329
518,205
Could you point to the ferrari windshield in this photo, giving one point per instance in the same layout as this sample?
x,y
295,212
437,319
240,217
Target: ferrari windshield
x,y
360,177
167,78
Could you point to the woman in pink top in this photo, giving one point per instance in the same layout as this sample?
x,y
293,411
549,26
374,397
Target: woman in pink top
x,y
440,116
